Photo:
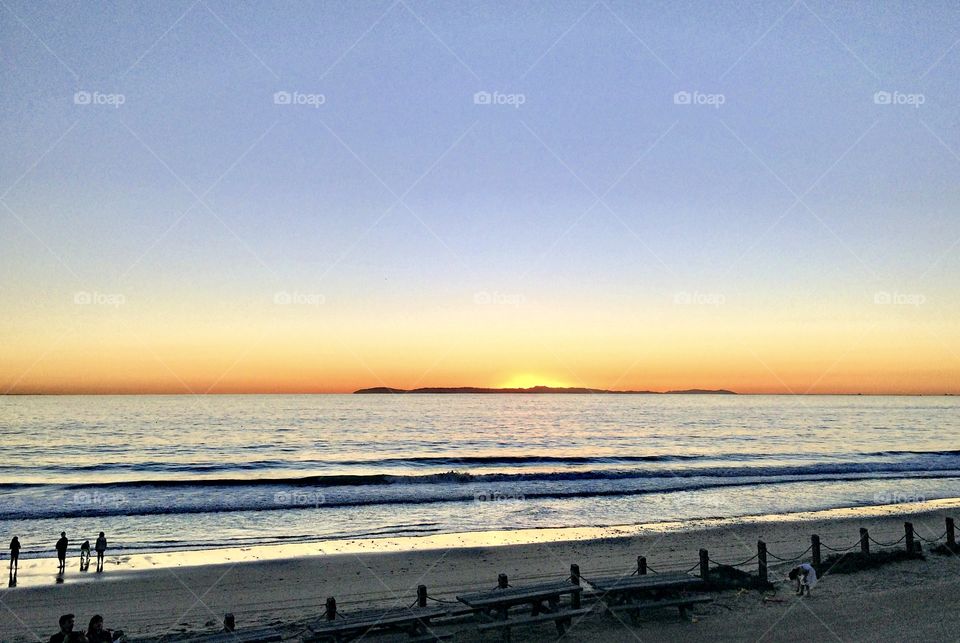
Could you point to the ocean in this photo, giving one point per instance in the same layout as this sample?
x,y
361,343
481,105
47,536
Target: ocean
x,y
193,472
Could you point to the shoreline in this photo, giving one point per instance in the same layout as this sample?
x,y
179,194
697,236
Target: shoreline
x,y
38,571
152,597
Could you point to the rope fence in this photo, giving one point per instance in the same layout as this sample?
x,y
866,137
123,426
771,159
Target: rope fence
x,y
841,551
932,541
740,564
692,568
893,544
911,537
792,558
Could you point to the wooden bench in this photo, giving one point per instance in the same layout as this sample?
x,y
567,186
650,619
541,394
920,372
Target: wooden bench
x,y
562,619
259,635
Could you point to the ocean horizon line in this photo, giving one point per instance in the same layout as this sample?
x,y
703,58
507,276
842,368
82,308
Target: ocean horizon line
x,y
354,392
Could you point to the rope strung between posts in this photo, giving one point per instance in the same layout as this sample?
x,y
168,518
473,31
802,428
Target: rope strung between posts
x,y
932,542
788,560
689,570
752,558
440,600
840,551
582,577
880,544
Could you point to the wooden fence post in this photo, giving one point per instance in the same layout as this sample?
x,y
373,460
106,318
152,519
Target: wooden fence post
x,y
704,565
864,541
908,529
331,608
642,565
575,579
421,595
951,534
762,561
502,582
815,551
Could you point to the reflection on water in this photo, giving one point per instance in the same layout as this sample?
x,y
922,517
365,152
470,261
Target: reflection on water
x,y
163,473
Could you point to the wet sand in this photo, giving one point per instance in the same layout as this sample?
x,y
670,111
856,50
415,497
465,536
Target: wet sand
x,y
171,594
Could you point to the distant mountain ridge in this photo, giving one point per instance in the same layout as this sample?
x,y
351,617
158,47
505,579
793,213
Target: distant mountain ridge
x,y
534,390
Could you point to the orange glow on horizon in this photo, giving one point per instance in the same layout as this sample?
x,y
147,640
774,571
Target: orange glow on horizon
x,y
527,380
327,351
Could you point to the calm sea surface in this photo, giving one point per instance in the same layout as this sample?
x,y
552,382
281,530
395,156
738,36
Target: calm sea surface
x,y
167,472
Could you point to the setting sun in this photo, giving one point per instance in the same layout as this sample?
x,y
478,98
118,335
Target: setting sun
x,y
529,380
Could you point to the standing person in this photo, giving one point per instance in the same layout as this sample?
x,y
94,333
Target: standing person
x,y
62,545
101,547
14,552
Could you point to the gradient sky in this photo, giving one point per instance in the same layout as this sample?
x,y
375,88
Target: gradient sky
x,y
801,237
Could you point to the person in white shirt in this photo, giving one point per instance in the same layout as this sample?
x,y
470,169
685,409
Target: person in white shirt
x,y
805,576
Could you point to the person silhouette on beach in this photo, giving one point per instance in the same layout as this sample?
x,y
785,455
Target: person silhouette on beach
x,y
101,547
62,545
66,633
229,622
85,556
97,633
14,552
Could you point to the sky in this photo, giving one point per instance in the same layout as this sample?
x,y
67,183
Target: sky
x,y
207,196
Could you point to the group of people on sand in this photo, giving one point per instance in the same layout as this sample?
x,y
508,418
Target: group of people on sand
x,y
100,547
62,545
96,632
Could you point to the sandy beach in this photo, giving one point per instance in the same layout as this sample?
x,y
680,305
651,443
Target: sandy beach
x,y
172,595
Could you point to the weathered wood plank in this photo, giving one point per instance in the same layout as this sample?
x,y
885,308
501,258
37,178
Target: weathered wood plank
x,y
646,582
519,595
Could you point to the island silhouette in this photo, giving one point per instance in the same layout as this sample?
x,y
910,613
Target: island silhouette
x,y
535,390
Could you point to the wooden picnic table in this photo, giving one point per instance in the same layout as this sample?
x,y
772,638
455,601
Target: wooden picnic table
x,y
544,602
501,600
634,594
415,621
645,583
